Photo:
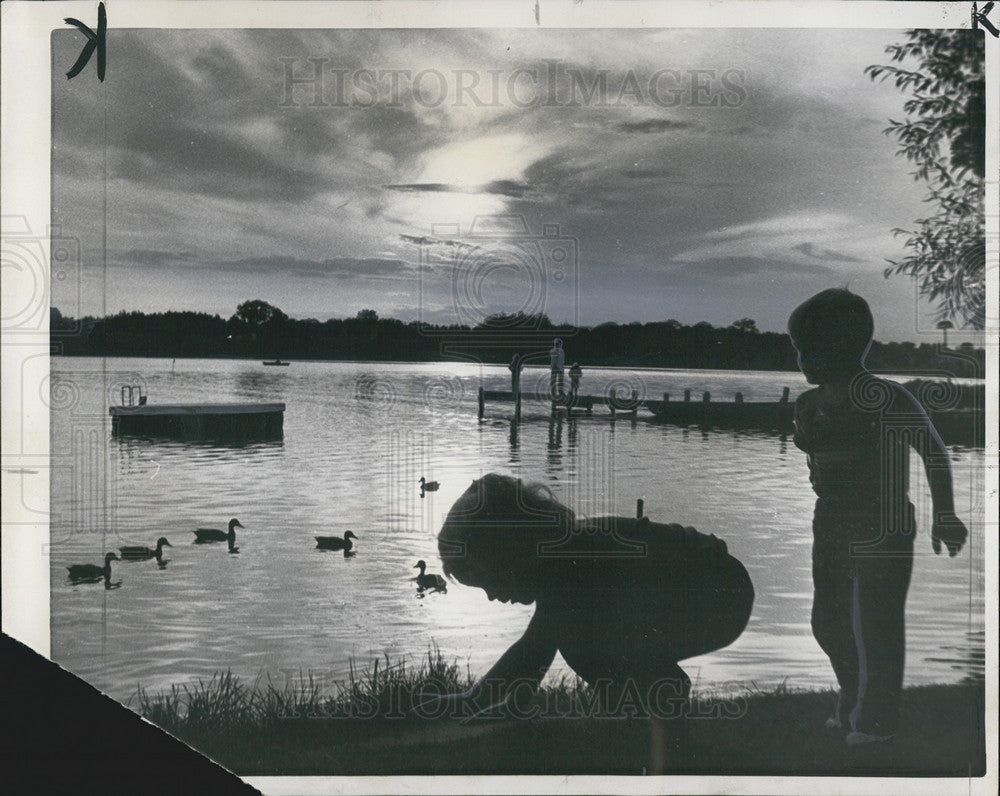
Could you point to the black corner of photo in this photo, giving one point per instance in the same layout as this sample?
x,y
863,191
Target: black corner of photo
x,y
61,735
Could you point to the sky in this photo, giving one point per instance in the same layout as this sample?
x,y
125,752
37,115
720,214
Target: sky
x,y
442,175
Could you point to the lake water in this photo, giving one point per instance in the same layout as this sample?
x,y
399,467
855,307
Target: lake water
x,y
357,438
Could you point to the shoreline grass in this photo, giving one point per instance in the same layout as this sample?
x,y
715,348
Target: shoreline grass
x,y
364,725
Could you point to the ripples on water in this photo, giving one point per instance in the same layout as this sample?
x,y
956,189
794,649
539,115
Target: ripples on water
x,y
357,439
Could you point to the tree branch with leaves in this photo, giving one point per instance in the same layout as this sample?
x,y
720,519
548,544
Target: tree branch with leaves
x,y
944,136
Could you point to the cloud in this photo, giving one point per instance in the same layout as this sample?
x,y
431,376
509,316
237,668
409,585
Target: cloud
x,y
734,269
802,241
208,171
656,126
276,265
810,250
743,130
426,187
499,187
651,174
154,258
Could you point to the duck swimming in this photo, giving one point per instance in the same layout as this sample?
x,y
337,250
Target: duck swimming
x,y
426,580
335,542
92,572
205,535
136,553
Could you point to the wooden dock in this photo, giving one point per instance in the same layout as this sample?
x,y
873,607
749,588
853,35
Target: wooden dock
x,y
956,426
569,402
764,415
235,422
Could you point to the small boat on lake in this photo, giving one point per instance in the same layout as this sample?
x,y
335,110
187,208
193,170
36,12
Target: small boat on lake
x,y
276,362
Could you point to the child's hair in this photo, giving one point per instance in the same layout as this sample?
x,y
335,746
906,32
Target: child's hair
x,y
833,318
497,524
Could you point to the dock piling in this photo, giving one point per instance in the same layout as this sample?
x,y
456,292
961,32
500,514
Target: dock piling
x,y
739,397
638,509
482,403
706,397
784,395
687,395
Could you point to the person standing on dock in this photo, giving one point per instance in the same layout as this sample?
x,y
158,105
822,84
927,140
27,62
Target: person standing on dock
x,y
856,430
575,373
557,362
515,366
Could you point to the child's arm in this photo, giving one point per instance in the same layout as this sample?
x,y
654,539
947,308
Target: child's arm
x,y
524,664
946,527
527,660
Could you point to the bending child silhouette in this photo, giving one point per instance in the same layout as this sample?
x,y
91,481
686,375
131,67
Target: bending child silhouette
x,y
856,430
623,600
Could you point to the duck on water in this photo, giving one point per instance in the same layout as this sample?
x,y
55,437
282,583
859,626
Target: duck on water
x,y
93,573
137,553
428,580
336,542
208,535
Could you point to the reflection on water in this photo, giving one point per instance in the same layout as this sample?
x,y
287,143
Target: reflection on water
x,y
357,439
968,659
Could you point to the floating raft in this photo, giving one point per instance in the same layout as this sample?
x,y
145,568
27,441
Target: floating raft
x,y
238,422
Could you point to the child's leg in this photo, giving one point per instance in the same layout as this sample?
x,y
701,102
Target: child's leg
x,y
833,597
668,717
881,584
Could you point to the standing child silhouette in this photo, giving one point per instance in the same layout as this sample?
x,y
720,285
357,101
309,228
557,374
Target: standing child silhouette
x,y
623,600
857,430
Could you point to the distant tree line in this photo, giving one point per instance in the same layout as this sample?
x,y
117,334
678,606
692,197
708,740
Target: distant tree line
x,y
260,330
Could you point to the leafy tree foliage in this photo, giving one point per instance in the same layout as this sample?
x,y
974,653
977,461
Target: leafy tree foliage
x,y
257,313
943,136
748,325
667,343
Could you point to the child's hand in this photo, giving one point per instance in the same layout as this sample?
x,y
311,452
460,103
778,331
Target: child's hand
x,y
948,529
441,705
465,706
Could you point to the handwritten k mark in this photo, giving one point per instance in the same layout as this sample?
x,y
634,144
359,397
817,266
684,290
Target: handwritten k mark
x,y
979,18
95,41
